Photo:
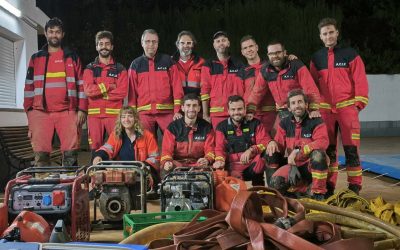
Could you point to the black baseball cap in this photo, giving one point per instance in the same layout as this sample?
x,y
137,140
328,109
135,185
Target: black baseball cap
x,y
220,33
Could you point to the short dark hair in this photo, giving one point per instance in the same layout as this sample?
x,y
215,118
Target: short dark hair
x,y
54,22
191,96
148,31
220,33
327,21
296,92
186,33
235,98
104,34
274,42
247,37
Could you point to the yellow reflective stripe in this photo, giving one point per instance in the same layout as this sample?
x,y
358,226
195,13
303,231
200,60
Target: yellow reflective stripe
x,y
261,147
362,99
354,173
205,97
314,106
333,169
268,108
345,103
324,105
166,158
219,158
320,176
145,107
216,109
94,111
210,155
55,74
164,106
112,111
355,136
251,107
306,149
134,107
177,102
103,91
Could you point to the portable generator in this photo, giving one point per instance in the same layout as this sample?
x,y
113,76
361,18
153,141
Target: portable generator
x,y
118,187
54,193
187,188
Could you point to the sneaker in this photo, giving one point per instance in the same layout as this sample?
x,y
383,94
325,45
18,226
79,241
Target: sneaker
x,y
318,197
355,188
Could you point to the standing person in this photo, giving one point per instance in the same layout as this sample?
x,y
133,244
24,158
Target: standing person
x,y
239,144
106,83
265,111
342,81
187,63
54,99
305,141
188,140
151,88
220,78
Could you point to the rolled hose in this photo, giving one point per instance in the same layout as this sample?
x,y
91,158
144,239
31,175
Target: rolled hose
x,y
354,214
158,231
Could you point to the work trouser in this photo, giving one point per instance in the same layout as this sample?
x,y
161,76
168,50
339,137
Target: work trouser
x,y
41,129
215,120
313,172
253,171
268,120
97,127
162,120
346,120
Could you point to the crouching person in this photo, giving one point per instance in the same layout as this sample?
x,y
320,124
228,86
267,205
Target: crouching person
x,y
188,141
239,144
305,140
130,142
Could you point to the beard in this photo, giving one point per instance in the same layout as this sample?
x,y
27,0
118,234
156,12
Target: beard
x,y
185,53
104,53
54,42
237,118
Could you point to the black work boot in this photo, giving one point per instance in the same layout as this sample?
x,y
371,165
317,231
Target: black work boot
x,y
355,188
70,158
330,190
42,159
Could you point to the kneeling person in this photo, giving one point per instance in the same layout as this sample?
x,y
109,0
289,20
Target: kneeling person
x,y
188,140
305,140
239,144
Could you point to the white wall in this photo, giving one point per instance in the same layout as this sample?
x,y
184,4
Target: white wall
x,y
384,99
23,32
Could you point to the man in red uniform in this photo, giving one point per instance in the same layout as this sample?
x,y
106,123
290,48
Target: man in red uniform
x,y
188,140
220,78
54,99
239,144
340,75
151,88
305,140
105,82
265,111
187,63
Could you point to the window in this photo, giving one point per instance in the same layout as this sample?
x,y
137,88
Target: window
x,y
7,74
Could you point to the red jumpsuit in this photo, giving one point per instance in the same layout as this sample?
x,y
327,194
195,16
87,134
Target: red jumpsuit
x,y
53,94
152,91
188,73
106,87
308,136
186,144
219,80
342,81
231,141
265,111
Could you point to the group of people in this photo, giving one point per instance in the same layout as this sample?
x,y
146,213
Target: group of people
x,y
244,118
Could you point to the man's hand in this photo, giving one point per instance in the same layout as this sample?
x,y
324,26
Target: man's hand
x,y
249,116
97,160
246,156
206,117
294,176
168,165
314,114
177,116
81,118
202,162
272,147
292,157
219,164
292,57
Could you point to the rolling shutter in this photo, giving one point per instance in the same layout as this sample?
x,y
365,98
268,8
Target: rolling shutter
x,y
7,74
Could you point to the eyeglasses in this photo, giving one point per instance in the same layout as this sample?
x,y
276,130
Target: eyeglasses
x,y
275,53
150,41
